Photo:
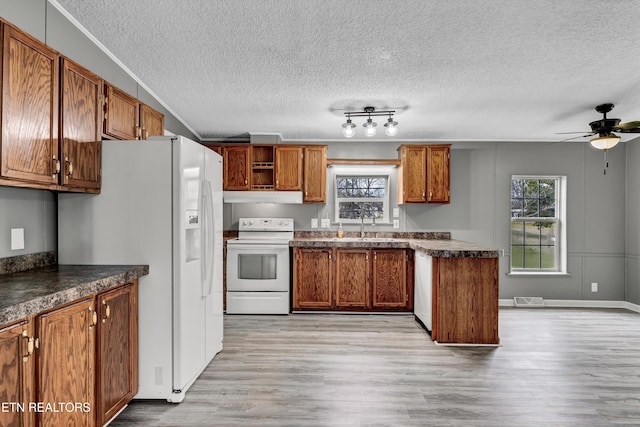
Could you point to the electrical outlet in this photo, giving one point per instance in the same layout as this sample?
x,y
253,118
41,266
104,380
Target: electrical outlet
x,y
326,223
396,212
396,223
594,286
314,222
17,239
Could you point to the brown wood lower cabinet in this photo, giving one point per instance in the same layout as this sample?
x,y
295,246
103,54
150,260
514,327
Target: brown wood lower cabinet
x,y
65,362
313,273
465,300
117,379
353,279
71,366
16,373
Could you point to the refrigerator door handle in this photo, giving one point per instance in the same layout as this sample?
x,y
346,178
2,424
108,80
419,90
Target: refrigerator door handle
x,y
212,236
207,237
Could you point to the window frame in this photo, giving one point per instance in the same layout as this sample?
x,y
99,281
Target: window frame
x,y
362,174
559,219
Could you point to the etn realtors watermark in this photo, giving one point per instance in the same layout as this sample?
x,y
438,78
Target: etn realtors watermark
x,y
45,407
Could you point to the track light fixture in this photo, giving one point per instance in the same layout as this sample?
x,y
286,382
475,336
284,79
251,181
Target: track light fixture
x,y
349,128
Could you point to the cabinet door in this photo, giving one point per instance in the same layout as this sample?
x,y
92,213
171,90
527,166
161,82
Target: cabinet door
x,y
151,122
313,278
29,109
117,380
121,115
389,278
352,278
414,173
288,168
16,381
438,173
81,118
315,174
236,168
65,363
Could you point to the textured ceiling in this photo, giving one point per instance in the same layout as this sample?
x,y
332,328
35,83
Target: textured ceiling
x,y
497,70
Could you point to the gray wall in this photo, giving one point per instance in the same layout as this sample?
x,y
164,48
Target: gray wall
x,y
632,246
479,210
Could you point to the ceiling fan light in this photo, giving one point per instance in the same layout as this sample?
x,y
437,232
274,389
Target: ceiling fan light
x,y
349,129
391,127
605,142
370,128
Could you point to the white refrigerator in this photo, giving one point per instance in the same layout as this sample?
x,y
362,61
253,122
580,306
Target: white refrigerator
x,y
161,205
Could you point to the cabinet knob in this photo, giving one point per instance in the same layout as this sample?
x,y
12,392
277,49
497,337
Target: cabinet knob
x,y
94,317
107,311
56,166
69,166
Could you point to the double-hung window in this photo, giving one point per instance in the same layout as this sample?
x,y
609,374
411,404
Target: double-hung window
x,y
537,224
361,197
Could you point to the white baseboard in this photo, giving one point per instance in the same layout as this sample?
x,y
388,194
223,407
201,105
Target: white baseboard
x,y
579,304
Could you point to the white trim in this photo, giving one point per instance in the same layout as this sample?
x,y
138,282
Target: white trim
x,y
579,304
111,56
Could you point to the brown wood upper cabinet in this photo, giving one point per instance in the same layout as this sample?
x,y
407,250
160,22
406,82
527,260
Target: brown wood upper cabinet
x,y
424,173
151,122
315,174
236,165
360,279
126,118
50,126
288,167
276,167
30,152
80,153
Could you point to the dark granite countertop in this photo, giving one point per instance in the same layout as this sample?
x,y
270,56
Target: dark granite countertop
x,y
30,292
432,247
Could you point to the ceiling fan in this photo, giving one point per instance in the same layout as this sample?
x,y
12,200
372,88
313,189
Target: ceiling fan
x,y
605,129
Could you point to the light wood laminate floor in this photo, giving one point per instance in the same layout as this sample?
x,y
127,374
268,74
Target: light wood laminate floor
x,y
555,367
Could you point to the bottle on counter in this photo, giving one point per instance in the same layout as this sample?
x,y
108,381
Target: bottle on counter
x,y
340,231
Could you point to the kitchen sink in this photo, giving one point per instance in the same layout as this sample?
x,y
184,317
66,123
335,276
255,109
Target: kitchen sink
x,y
362,239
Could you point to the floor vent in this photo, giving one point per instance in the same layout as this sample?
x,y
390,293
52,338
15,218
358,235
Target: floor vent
x,y
528,301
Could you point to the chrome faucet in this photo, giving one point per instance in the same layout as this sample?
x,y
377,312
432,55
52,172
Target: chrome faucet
x,y
362,223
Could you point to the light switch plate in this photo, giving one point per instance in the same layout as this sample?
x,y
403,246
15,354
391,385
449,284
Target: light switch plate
x,y
396,212
17,239
314,222
396,223
325,223
594,286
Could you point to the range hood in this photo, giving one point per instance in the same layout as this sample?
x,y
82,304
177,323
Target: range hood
x,y
283,197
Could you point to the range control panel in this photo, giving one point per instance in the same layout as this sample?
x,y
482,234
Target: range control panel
x,y
265,224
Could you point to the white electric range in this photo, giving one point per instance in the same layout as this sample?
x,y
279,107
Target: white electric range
x,y
258,268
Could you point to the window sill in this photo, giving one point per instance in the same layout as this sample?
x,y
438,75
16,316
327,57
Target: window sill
x,y
538,274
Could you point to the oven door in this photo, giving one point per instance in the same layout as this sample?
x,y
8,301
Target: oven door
x,y
257,267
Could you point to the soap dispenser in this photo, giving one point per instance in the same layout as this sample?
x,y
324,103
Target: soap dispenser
x,y
340,231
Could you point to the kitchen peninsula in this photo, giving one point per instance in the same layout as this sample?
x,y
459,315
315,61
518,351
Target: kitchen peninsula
x,y
451,285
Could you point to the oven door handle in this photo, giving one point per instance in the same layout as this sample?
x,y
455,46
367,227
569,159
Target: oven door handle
x,y
254,247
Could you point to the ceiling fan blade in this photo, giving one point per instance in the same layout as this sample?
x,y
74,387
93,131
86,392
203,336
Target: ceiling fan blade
x,y
627,125
576,137
567,133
